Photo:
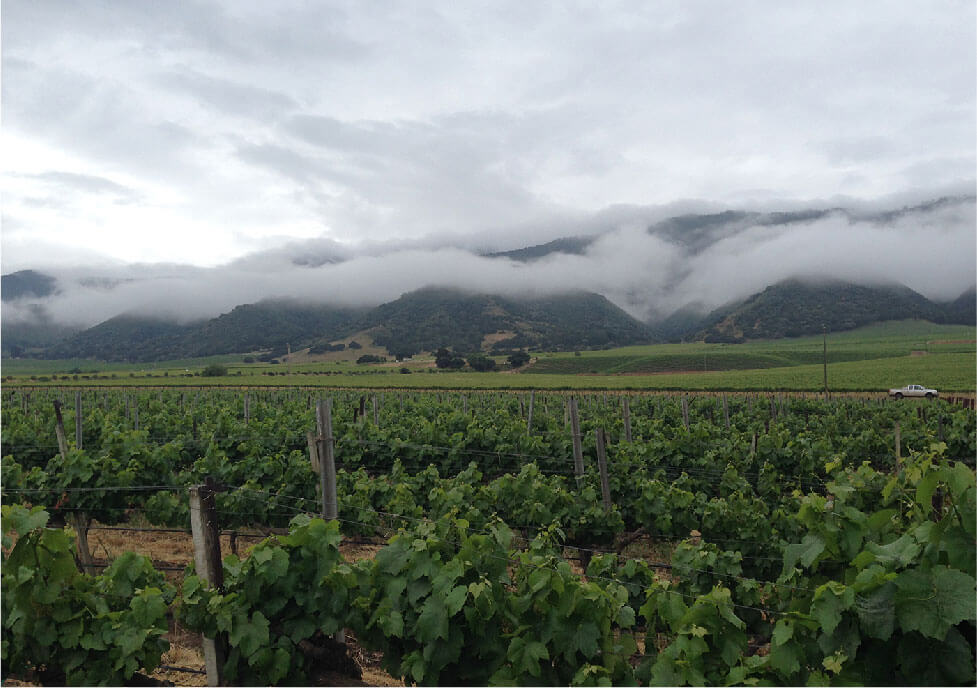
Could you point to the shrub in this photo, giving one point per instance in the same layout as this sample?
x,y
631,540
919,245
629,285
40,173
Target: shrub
x,y
481,363
214,370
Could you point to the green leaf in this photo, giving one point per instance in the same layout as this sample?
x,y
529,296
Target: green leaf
x,y
931,602
625,617
392,624
925,489
782,632
900,552
944,662
877,611
830,600
538,579
249,636
148,607
22,521
587,636
806,552
786,659
301,628
433,621
455,599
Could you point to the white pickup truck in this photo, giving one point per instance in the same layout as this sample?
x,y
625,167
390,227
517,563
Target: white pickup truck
x,y
913,391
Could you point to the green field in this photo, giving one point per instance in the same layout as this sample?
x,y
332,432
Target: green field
x,y
869,359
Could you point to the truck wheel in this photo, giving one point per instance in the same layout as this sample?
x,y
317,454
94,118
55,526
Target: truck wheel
x,y
898,395
929,395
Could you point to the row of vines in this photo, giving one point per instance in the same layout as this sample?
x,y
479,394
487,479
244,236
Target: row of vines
x,y
792,540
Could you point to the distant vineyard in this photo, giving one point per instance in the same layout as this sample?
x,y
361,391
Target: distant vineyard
x,y
783,540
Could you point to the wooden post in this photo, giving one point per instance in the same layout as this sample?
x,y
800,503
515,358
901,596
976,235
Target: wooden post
x,y
577,447
78,420
726,411
207,557
605,488
529,419
78,519
313,453
376,412
685,412
59,430
627,420
362,415
324,446
247,408
898,432
135,414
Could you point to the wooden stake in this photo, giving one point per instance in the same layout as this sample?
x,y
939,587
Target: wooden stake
x,y
627,420
207,557
78,520
685,412
529,419
78,420
325,447
59,430
577,446
898,432
313,453
605,488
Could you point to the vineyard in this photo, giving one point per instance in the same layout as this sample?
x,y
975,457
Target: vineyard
x,y
520,539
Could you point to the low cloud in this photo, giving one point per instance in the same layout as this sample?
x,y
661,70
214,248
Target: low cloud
x,y
930,248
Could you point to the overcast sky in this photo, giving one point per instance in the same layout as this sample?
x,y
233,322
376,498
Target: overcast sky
x,y
199,132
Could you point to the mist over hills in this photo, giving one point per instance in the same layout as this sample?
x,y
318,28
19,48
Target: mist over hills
x,y
724,275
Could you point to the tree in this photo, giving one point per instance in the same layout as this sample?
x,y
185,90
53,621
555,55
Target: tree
x,y
214,370
370,358
519,358
481,363
446,359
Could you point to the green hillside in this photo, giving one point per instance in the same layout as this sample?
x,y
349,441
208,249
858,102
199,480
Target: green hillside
x,y
252,327
794,308
420,321
427,319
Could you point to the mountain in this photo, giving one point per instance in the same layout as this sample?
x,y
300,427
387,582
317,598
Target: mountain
x,y
427,319
963,309
251,327
124,338
423,320
27,284
570,245
799,307
24,336
269,325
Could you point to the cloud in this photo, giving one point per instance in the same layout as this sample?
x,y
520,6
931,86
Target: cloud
x,y
505,124
929,248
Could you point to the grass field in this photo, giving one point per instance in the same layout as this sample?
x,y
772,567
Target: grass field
x,y
870,359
